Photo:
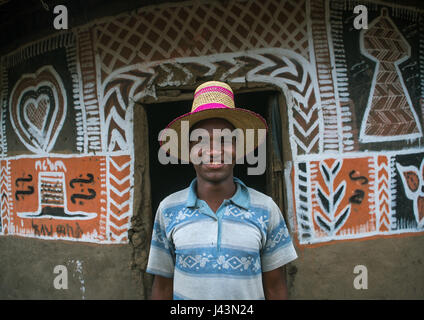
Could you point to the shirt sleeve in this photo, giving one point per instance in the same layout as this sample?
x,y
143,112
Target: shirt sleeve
x,y
278,249
162,254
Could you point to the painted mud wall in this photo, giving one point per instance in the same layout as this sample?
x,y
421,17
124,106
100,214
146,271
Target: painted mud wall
x,y
74,178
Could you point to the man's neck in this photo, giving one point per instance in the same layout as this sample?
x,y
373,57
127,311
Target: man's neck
x,y
215,193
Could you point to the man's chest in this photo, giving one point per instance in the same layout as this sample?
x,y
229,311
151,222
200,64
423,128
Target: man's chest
x,y
207,232
210,247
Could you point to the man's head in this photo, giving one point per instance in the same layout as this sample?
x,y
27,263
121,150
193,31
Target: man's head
x,y
216,153
213,100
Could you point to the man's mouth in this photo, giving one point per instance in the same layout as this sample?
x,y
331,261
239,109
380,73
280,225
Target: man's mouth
x,y
213,165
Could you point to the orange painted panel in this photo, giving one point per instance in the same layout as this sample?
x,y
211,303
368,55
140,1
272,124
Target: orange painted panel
x,y
342,197
59,197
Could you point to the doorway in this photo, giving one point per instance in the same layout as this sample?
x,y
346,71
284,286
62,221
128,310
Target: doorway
x,y
167,179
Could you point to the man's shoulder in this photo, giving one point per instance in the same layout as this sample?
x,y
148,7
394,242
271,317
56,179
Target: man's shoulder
x,y
258,198
175,199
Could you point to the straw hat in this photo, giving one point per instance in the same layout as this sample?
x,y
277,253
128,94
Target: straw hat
x,y
215,99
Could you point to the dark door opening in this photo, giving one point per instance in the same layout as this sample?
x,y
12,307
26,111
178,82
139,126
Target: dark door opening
x,y
167,179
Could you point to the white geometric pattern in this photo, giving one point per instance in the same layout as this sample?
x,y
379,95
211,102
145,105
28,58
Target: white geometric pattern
x,y
192,261
237,212
186,213
165,32
233,262
282,68
283,232
225,262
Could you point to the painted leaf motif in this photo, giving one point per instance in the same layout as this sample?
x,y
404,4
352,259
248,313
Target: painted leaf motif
x,y
342,218
339,194
323,200
326,175
322,223
335,169
330,219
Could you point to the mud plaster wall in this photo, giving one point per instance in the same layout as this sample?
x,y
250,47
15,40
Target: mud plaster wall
x,y
73,138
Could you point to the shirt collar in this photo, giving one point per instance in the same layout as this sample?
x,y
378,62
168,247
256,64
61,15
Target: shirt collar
x,y
241,198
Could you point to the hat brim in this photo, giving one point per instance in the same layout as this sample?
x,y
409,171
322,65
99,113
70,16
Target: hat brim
x,y
240,118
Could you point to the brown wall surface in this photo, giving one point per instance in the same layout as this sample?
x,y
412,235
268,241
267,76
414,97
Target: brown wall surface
x,y
73,110
94,271
394,266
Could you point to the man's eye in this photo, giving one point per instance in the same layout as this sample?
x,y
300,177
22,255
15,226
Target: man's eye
x,y
201,140
228,142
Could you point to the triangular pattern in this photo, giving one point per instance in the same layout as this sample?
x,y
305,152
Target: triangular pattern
x,y
119,198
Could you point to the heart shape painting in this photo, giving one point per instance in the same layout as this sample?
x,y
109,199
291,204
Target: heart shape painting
x,y
38,107
35,112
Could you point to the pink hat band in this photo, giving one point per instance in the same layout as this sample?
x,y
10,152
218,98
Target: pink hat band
x,y
213,95
214,89
212,105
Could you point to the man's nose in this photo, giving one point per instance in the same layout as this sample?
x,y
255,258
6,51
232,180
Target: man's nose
x,y
215,150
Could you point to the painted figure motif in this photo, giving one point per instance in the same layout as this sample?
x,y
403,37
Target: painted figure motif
x,y
389,114
413,182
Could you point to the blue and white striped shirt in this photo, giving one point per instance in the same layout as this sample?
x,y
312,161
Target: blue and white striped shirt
x,y
219,255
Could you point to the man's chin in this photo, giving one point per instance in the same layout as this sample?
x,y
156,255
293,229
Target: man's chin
x,y
215,173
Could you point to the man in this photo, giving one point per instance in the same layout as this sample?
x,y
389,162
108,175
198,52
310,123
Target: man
x,y
218,238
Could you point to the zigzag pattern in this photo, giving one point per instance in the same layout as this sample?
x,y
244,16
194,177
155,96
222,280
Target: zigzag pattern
x,y
401,122
305,124
134,84
119,189
383,194
388,75
117,111
302,184
5,196
384,44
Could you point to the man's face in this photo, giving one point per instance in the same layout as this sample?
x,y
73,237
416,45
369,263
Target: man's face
x,y
212,168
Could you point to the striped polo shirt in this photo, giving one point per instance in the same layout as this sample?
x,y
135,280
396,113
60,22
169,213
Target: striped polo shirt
x,y
219,255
